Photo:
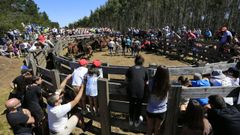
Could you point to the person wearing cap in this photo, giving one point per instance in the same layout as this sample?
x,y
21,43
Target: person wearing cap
x,y
19,119
219,79
198,81
19,84
78,77
91,85
33,101
58,120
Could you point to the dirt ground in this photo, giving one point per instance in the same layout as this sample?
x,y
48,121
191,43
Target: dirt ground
x,y
10,68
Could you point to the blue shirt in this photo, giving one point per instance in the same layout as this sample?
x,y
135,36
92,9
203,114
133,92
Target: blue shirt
x,y
200,83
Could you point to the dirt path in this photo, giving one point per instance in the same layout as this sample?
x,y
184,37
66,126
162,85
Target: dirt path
x,y
129,60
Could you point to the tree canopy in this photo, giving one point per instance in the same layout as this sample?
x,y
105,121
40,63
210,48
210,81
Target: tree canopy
x,y
15,12
120,14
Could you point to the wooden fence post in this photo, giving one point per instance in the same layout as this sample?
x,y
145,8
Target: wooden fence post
x,y
172,111
105,75
55,78
103,98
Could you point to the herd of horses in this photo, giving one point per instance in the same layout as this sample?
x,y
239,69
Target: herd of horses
x,y
84,48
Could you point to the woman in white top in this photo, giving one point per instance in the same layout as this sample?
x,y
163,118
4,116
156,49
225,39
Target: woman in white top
x,y
157,103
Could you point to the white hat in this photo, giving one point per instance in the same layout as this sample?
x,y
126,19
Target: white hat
x,y
218,74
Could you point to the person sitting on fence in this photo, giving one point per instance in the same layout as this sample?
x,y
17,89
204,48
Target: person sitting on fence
x,y
19,84
137,78
157,102
78,77
224,120
33,101
19,119
91,86
59,123
219,79
194,122
198,81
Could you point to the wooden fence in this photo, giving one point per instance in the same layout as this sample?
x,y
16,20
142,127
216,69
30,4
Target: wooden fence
x,y
112,94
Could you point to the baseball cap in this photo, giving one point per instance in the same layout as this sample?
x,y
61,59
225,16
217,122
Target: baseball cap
x,y
83,62
96,63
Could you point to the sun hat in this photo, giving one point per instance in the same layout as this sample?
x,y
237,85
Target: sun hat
x,y
83,62
97,63
217,74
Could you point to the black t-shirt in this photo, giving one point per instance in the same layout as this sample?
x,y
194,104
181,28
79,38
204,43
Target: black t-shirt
x,y
21,83
32,101
225,121
136,76
18,122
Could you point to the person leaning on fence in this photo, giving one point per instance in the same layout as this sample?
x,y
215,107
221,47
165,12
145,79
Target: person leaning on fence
x,y
19,84
199,81
33,101
59,123
137,78
225,120
91,86
157,102
78,77
219,79
194,122
19,119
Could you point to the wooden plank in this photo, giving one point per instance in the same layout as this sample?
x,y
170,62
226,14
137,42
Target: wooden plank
x,y
202,70
43,71
123,107
204,92
172,110
49,87
103,101
115,70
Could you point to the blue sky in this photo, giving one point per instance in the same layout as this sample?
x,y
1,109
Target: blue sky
x,y
68,11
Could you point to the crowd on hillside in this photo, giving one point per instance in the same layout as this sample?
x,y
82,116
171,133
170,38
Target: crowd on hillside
x,y
27,113
33,37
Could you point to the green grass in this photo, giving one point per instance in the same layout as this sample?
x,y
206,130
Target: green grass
x,y
4,126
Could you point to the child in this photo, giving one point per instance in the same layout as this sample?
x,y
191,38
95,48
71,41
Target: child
x,y
91,85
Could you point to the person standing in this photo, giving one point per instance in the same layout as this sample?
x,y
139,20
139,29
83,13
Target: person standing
x,y
157,102
33,101
137,78
78,77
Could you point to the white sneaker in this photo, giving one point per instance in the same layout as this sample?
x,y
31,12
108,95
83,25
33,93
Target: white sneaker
x,y
130,122
140,120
